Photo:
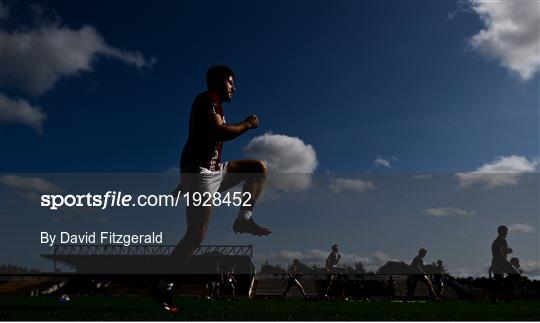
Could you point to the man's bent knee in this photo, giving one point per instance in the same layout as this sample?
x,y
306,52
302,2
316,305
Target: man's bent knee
x,y
263,168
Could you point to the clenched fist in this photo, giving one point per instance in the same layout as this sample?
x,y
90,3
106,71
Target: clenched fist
x,y
252,121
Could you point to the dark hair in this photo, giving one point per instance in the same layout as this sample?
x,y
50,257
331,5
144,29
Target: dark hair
x,y
215,76
502,228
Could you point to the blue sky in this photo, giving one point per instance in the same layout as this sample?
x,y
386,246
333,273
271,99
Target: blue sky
x,y
354,79
373,87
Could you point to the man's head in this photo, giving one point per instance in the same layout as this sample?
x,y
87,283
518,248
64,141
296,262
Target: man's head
x,y
439,263
335,248
296,261
502,230
422,252
220,79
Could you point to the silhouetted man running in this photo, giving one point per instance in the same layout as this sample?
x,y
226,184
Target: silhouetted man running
x,y
419,274
332,269
499,263
203,170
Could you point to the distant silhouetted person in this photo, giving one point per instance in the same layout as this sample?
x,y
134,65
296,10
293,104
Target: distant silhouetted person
x,y
165,296
499,263
332,270
418,274
438,279
294,279
231,281
391,284
215,283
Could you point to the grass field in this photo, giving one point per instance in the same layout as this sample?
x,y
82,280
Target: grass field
x,y
142,308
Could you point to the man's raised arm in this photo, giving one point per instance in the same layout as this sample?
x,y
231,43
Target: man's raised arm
x,y
225,132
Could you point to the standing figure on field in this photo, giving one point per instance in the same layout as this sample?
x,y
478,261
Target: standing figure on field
x,y
294,279
418,274
499,262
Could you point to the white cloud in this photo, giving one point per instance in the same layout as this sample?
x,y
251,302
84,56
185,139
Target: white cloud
x,y
381,257
29,183
530,267
318,257
20,111
511,34
422,176
338,185
519,228
379,161
35,60
447,211
502,171
290,161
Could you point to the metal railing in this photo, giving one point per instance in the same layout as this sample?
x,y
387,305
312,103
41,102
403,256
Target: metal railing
x,y
239,250
147,250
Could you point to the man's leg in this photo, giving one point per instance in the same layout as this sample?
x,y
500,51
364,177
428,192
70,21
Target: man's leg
x,y
342,282
300,287
439,290
411,286
496,284
253,173
197,218
424,279
233,292
289,285
330,280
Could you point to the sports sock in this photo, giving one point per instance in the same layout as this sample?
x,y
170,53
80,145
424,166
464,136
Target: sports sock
x,y
244,215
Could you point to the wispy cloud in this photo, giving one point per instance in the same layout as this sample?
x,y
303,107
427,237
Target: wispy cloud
x,y
422,176
35,60
35,184
503,171
530,267
20,111
380,161
521,228
355,185
37,52
447,211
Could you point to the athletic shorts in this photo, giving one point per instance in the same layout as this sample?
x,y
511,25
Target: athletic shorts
x,y
203,181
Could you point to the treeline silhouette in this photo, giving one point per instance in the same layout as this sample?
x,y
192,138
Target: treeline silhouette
x,y
267,268
389,268
13,269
